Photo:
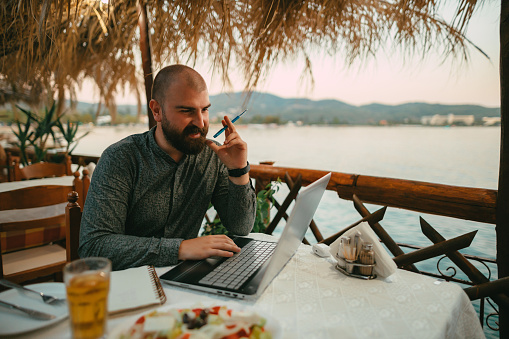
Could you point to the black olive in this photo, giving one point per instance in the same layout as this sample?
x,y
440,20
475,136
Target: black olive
x,y
198,322
204,313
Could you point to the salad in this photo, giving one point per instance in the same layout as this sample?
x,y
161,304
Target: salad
x,y
218,322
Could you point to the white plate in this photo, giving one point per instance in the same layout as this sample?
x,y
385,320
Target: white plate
x,y
272,325
15,322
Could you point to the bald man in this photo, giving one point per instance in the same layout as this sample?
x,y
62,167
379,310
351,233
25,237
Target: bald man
x,y
150,191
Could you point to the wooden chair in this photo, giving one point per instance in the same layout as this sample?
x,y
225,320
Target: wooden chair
x,y
37,170
73,210
73,213
29,248
81,186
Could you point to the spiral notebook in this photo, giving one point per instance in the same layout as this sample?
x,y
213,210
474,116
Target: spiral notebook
x,y
134,288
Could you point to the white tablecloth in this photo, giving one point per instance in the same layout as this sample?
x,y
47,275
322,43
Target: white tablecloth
x,y
311,299
14,185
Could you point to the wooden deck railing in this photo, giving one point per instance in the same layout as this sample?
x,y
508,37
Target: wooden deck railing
x,y
476,204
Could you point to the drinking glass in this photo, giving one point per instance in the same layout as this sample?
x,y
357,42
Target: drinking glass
x,y
87,282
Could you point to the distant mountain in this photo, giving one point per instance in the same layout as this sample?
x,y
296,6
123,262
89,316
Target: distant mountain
x,y
327,111
262,105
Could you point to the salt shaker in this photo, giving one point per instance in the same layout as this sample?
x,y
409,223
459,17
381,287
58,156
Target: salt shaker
x,y
367,257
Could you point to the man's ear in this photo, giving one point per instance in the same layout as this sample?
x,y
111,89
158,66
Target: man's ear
x,y
156,110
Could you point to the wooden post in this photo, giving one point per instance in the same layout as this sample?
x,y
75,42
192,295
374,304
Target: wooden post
x,y
72,226
437,249
463,264
146,57
502,211
370,218
488,289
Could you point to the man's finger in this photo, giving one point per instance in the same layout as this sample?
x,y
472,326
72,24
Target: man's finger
x,y
212,145
230,124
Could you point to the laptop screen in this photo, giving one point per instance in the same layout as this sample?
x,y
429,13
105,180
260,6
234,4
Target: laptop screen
x,y
305,206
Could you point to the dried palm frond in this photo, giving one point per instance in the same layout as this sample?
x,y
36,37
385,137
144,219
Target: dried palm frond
x,y
55,44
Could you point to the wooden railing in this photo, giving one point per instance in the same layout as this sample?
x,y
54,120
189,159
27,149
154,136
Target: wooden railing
x,y
476,204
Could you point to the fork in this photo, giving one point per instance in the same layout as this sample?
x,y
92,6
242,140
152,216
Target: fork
x,y
48,299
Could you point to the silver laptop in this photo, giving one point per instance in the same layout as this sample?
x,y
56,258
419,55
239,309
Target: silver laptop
x,y
248,273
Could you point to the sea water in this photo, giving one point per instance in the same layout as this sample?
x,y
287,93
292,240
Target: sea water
x,y
460,156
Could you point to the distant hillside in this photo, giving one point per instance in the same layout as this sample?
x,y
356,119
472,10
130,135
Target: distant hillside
x,y
310,111
263,105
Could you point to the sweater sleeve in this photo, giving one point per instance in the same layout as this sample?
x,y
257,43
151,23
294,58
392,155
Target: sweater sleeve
x,y
104,218
235,204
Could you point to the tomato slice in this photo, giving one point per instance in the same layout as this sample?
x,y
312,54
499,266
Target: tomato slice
x,y
197,311
237,335
140,320
215,310
232,336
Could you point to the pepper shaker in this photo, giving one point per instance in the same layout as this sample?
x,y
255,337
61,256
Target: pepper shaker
x,y
367,257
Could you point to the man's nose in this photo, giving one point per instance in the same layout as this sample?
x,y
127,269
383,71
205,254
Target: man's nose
x,y
200,119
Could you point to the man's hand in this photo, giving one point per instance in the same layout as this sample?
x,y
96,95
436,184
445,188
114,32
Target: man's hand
x,y
208,246
233,152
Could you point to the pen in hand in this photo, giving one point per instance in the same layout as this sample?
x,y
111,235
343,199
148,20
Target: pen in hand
x,y
225,127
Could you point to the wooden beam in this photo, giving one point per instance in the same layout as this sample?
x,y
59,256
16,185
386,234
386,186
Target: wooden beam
x,y
477,204
502,214
146,57
381,233
463,264
440,248
371,219
488,289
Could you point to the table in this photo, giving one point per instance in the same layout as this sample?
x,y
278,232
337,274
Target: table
x,y
311,299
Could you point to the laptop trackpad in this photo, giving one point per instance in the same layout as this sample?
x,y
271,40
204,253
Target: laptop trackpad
x,y
214,260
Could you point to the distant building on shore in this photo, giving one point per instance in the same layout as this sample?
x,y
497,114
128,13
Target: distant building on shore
x,y
491,121
449,119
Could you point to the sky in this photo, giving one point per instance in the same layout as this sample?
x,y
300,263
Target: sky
x,y
389,78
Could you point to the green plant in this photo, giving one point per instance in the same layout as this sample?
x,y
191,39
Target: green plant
x,y
23,136
214,227
37,130
264,200
42,131
69,134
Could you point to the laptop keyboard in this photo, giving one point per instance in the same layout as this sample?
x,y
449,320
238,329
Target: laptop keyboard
x,y
234,271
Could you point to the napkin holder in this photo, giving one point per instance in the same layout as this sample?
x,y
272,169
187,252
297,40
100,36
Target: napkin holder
x,y
384,267
351,268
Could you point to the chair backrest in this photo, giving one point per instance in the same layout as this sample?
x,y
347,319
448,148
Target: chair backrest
x,y
81,186
32,216
12,164
73,225
37,170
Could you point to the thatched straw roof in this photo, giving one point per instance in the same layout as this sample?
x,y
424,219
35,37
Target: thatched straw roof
x,y
50,46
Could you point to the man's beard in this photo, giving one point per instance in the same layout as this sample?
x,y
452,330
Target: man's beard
x,y
181,140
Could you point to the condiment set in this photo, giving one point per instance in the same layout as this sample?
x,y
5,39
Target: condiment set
x,y
356,258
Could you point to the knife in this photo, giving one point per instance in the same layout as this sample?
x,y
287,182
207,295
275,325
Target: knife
x,y
33,313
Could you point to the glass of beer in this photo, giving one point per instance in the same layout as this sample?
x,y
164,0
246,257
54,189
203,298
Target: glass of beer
x,y
87,282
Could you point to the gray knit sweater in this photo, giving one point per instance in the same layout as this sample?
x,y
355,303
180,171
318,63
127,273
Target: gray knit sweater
x,y
141,203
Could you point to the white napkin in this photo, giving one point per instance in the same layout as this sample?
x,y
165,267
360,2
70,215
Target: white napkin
x,y
385,266
91,168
